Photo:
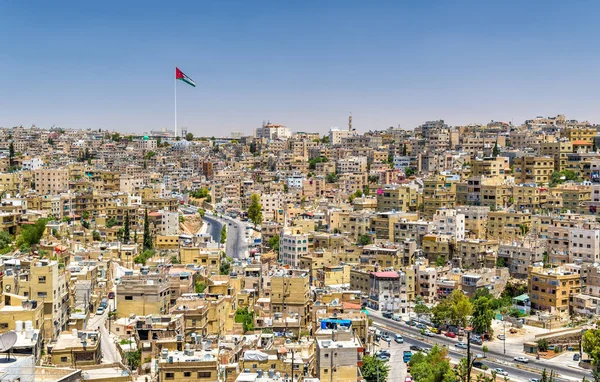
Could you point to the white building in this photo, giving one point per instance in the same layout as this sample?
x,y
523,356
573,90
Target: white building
x,y
295,180
32,164
272,131
352,165
336,136
584,245
169,223
400,162
292,247
449,222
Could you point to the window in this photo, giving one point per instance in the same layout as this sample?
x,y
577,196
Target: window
x,y
42,279
63,359
129,298
169,375
204,374
187,374
42,294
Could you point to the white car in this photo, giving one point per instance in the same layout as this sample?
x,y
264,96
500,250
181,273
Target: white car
x,y
521,359
500,371
461,345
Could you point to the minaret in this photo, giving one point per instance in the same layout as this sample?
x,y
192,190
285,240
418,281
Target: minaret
x,y
350,122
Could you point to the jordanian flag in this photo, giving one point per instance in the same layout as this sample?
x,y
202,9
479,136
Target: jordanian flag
x,y
181,76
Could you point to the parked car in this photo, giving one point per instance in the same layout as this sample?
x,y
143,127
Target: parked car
x,y
383,357
421,326
396,317
428,333
408,379
476,340
100,311
434,330
385,338
111,295
521,359
399,339
576,357
450,334
384,352
409,323
533,380
461,345
479,355
501,337
500,371
416,348
478,364
387,314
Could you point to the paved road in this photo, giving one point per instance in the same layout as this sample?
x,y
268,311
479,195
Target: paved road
x,y
107,344
214,228
495,359
236,246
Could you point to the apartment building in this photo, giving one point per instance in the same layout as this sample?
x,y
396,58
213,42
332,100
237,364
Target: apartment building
x,y
557,150
189,364
508,225
491,167
338,355
143,294
398,198
449,222
475,220
550,289
518,256
290,293
352,165
584,245
51,181
77,348
529,169
475,253
292,246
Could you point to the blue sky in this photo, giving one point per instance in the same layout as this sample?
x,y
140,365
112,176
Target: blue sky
x,y
110,65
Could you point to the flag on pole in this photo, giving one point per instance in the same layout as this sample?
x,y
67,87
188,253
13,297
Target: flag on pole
x,y
179,75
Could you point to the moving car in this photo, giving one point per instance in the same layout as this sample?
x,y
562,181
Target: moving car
x,y
399,339
385,337
461,345
111,295
501,337
521,359
478,364
500,371
533,380
416,348
576,357
450,334
383,357
100,311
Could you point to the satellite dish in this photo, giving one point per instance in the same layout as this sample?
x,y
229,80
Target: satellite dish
x,y
7,341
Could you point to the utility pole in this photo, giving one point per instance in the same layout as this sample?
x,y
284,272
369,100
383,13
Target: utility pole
x,y
469,355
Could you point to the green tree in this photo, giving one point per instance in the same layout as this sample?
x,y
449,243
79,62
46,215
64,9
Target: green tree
x,y
274,243
147,237
189,137
111,222
255,210
404,149
440,261
31,234
409,171
500,263
374,370
591,345
364,239
126,228
496,150
482,315
433,367
225,267
5,239
223,234
133,359
199,287
11,154
331,178
96,235
420,308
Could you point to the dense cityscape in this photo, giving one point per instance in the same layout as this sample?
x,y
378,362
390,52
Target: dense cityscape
x,y
436,253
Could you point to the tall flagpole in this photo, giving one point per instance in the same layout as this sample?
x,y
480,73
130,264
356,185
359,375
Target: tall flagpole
x,y
175,86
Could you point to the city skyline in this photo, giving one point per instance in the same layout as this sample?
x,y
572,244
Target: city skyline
x,y
88,66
